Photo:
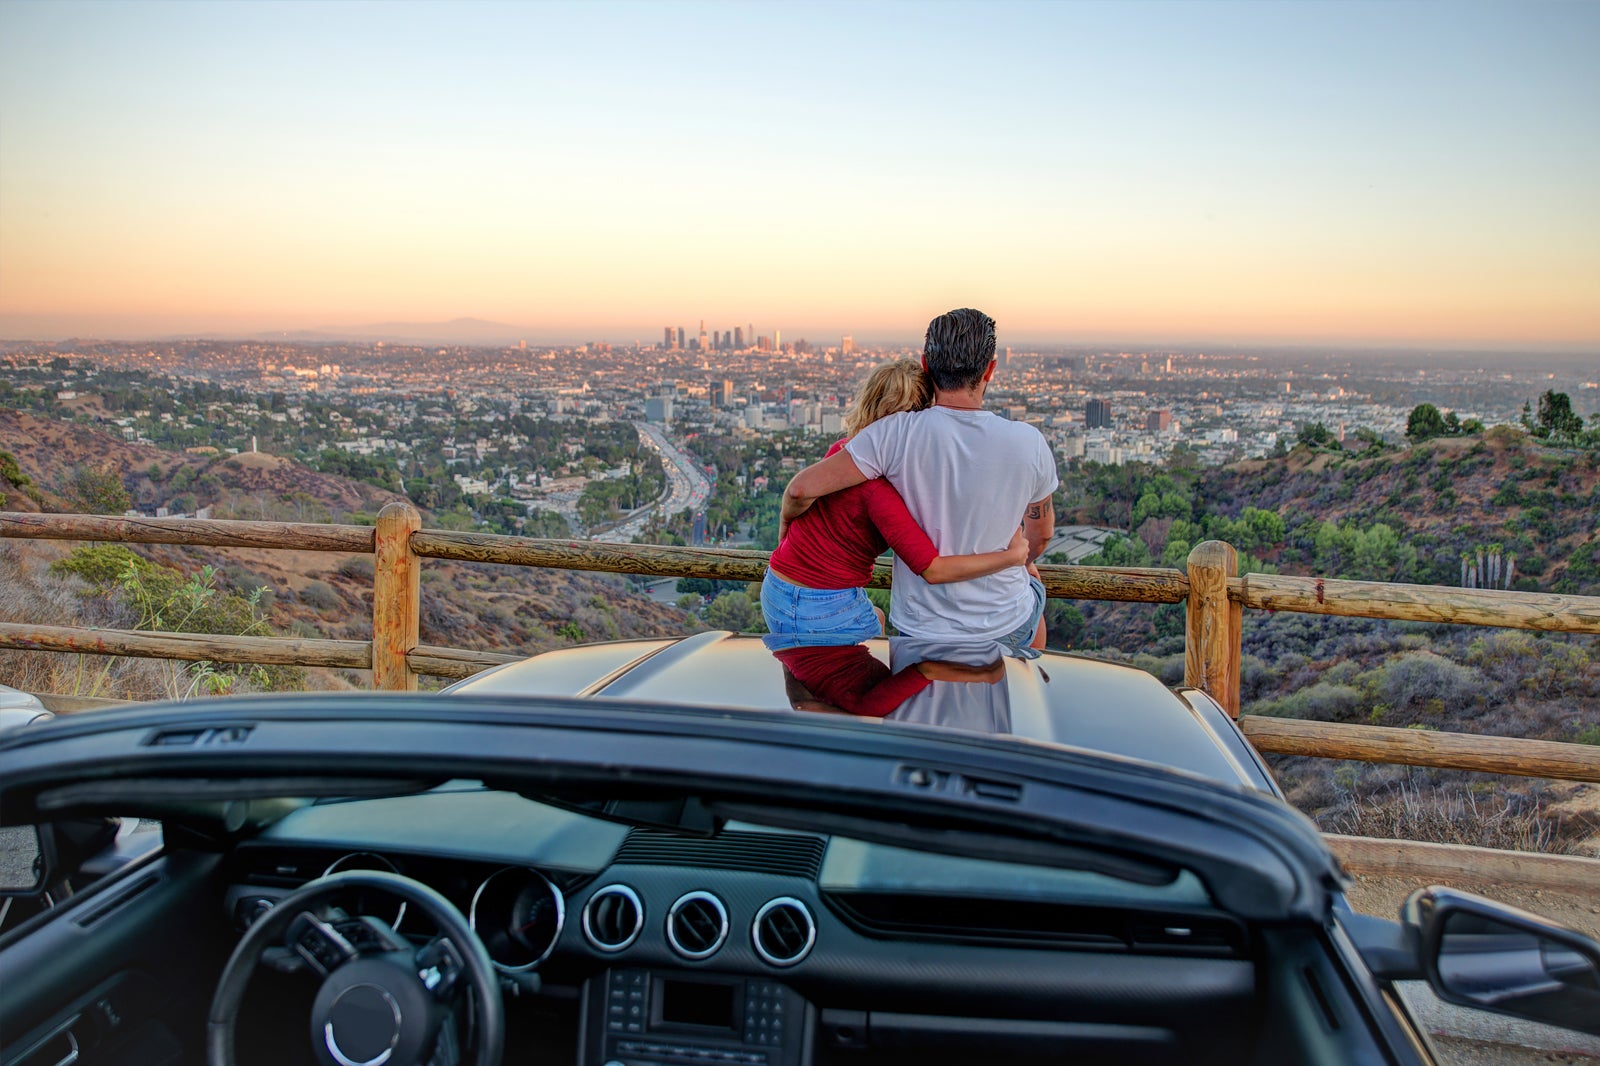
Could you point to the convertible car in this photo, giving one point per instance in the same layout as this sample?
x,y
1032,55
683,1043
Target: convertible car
x,y
712,851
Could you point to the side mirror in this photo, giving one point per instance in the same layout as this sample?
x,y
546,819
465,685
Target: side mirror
x,y
1477,953
27,861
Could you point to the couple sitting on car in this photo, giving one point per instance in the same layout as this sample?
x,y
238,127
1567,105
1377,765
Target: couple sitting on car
x,y
960,494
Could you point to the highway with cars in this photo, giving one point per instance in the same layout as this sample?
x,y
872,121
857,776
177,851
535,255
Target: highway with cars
x,y
688,488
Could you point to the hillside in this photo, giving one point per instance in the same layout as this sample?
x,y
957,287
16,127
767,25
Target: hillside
x,y
71,468
1499,510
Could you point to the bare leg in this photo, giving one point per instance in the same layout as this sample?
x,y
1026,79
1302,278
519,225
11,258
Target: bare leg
x,y
882,623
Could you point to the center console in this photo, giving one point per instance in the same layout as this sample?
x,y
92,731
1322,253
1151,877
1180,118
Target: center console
x,y
668,1018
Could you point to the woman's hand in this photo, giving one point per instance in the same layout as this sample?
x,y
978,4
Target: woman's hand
x,y
1018,548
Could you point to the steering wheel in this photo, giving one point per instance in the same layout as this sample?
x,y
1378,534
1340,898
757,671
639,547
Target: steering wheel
x,y
383,1001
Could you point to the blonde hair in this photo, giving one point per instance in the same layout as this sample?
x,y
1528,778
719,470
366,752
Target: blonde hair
x,y
898,386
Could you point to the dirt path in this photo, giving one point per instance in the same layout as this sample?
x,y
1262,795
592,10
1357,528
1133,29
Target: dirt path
x,y
1382,896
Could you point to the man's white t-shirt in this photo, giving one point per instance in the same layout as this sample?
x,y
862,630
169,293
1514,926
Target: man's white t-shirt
x,y
967,477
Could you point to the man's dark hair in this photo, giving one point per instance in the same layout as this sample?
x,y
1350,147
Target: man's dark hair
x,y
959,348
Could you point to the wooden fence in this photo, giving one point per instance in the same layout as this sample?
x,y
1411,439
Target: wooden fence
x,y
1214,596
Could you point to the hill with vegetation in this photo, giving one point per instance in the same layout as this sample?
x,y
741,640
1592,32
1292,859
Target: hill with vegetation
x,y
1501,509
61,466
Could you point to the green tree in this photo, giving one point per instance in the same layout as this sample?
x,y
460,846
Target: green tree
x,y
99,490
1120,551
1063,624
1424,423
1556,420
735,611
1316,435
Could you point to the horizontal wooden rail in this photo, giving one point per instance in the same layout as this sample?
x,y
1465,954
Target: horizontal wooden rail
x,y
1423,747
279,651
656,560
436,661
1375,857
1131,584
1418,603
207,532
57,703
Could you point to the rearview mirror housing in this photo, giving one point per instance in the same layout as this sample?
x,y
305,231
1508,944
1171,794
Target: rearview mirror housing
x,y
1478,953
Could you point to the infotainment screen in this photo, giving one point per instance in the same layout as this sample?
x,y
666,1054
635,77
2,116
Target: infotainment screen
x,y
702,1003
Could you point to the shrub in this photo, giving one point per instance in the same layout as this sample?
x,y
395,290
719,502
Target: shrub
x,y
1418,678
320,596
100,566
357,568
1321,702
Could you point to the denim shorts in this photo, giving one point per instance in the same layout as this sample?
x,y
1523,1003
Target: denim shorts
x,y
802,617
1018,640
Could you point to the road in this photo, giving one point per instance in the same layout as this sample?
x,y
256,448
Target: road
x,y
688,488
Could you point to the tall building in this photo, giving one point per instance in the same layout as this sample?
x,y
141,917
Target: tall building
x,y
703,346
738,337
847,344
658,408
667,338
680,337
1097,415
1005,358
727,340
1158,421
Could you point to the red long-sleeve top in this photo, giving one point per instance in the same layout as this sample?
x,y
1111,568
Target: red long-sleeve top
x,y
852,679
835,542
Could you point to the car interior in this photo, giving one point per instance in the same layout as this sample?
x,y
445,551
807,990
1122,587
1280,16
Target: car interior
x,y
634,943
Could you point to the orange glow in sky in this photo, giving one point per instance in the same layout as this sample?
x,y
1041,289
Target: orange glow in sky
x,y
1306,173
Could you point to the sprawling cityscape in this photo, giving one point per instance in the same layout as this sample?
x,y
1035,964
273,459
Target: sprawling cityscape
x,y
777,403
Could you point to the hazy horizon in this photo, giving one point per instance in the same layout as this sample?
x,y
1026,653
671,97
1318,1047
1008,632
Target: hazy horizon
x,y
358,333
1400,175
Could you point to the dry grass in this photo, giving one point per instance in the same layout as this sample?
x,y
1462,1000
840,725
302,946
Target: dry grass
x,y
1443,815
29,593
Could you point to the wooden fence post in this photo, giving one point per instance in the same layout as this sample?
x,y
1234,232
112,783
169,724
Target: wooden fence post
x,y
395,594
1211,646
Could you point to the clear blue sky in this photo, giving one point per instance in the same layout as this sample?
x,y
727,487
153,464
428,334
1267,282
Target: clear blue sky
x,y
1321,172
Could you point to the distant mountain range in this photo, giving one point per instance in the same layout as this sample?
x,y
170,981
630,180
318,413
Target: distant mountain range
x,y
467,331
475,331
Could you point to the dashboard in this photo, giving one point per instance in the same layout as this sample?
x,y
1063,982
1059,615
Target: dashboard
x,y
761,947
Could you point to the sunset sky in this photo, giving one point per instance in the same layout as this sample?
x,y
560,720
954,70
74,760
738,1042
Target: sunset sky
x,y
1343,173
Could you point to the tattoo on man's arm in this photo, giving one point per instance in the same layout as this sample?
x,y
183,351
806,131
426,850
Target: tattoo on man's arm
x,y
1035,511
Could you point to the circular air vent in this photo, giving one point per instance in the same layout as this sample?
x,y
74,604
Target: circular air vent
x,y
783,931
613,917
697,925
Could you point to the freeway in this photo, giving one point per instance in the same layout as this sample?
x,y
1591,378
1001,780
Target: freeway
x,y
688,488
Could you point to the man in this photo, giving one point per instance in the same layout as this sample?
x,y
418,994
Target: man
x,y
968,476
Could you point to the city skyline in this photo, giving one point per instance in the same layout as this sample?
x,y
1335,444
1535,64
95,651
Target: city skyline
x,y
1401,175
